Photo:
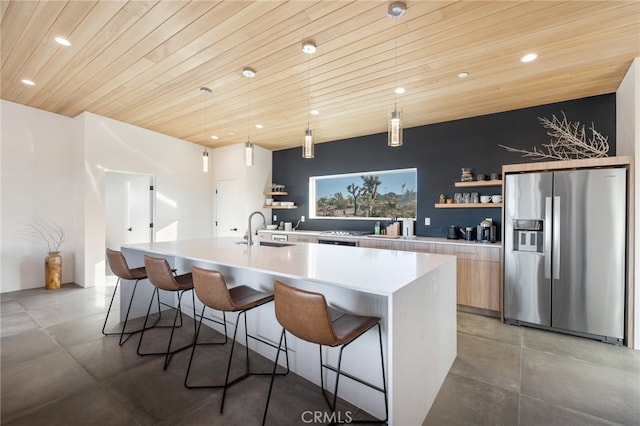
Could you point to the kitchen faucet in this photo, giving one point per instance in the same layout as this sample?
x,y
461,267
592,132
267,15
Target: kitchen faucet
x,y
264,223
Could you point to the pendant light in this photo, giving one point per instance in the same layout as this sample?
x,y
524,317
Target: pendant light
x,y
309,48
206,92
395,11
248,145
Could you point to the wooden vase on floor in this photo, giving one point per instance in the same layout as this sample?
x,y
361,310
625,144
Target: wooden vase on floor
x,y
53,270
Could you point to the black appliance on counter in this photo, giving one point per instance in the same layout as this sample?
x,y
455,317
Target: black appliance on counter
x,y
486,231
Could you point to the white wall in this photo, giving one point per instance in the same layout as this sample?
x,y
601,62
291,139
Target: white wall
x,y
628,144
54,167
36,181
228,163
183,192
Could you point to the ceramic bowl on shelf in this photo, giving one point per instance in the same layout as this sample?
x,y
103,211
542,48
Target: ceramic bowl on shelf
x,y
286,203
275,203
485,199
496,198
272,227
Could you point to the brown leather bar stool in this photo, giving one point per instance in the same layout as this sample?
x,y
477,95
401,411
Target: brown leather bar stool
x,y
307,316
164,278
120,268
212,290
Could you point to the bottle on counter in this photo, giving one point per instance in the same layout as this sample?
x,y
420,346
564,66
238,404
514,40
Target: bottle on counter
x,y
376,230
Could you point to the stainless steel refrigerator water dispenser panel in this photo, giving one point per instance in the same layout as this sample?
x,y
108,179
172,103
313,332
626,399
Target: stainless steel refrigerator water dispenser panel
x,y
528,235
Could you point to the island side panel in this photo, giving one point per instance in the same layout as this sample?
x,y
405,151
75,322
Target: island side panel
x,y
423,342
361,359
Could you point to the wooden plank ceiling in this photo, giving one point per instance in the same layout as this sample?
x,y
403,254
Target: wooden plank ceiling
x,y
144,62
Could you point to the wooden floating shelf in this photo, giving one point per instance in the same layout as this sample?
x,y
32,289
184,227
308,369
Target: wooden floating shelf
x,y
276,193
279,207
475,183
467,205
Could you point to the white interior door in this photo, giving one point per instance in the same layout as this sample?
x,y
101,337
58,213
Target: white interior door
x,y
139,209
229,220
128,209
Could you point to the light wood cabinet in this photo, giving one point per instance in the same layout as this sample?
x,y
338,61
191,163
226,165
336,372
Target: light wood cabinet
x,y
478,284
302,238
479,277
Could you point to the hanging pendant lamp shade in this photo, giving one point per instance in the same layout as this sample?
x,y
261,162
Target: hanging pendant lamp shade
x,y
248,153
205,161
395,128
308,147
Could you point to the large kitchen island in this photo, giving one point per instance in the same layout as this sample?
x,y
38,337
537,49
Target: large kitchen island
x,y
413,293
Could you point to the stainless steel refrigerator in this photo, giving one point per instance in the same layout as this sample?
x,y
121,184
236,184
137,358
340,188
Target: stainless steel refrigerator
x,y
565,251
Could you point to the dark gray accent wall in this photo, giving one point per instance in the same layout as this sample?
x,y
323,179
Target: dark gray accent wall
x,y
438,151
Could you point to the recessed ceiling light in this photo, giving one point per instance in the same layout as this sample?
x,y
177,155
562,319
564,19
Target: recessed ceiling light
x,y
28,82
249,72
315,112
463,75
529,57
214,137
399,90
62,41
259,126
309,47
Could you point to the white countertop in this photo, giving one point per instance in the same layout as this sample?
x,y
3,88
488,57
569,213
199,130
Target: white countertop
x,y
370,270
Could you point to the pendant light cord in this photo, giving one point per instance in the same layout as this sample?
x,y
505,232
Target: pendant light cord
x,y
308,91
395,65
249,110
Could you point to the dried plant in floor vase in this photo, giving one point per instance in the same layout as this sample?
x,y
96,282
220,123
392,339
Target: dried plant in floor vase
x,y
568,142
52,235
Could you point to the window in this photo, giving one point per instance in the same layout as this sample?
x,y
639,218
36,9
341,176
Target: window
x,y
370,195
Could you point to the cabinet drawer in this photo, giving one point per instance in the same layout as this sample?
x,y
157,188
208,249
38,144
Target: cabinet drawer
x,y
481,252
461,252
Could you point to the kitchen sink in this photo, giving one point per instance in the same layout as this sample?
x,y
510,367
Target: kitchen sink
x,y
270,243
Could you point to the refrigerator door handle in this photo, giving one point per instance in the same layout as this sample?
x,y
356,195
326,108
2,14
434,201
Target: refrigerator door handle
x,y
547,237
555,250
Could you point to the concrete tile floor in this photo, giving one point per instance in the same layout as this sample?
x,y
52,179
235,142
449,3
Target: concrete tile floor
x,y
58,369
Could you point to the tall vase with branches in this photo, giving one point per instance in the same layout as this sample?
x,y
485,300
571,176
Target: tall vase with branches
x,y
52,235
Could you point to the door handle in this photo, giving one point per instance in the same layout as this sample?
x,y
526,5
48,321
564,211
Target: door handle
x,y
556,238
547,237
129,229
233,229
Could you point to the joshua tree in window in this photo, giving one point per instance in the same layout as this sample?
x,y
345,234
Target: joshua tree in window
x,y
370,186
355,192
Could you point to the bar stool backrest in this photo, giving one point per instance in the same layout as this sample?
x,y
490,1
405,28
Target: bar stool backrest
x,y
160,273
211,289
304,314
118,265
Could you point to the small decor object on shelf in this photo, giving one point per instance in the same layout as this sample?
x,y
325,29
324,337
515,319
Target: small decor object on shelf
x,y
53,236
466,175
568,142
442,199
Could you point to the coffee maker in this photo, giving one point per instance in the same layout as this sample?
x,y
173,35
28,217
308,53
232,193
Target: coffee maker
x,y
486,231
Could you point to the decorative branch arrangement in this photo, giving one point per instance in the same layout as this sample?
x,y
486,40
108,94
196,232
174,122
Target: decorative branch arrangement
x,y
50,233
569,142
